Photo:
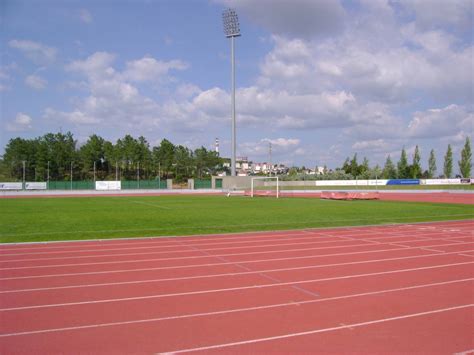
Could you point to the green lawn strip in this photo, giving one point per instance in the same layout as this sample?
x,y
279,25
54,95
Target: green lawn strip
x,y
48,219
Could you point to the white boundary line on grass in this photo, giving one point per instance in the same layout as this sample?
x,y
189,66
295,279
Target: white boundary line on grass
x,y
369,235
467,215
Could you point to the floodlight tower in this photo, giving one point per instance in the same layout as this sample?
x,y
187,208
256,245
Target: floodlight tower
x,y
232,30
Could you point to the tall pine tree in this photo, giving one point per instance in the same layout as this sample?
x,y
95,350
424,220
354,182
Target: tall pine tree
x,y
432,165
448,162
389,171
402,166
465,164
416,167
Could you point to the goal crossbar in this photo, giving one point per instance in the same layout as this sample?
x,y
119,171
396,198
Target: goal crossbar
x,y
252,184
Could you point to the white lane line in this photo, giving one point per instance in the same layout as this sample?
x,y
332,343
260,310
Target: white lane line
x,y
218,255
233,288
173,245
185,250
248,272
200,265
236,310
198,257
465,352
71,245
392,228
323,330
190,257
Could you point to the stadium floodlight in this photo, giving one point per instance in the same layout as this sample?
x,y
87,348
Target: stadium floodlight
x,y
232,30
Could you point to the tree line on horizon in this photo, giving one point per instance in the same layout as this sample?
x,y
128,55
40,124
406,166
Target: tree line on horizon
x,y
57,157
404,170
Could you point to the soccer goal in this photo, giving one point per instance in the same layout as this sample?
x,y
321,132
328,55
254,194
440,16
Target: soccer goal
x,y
265,186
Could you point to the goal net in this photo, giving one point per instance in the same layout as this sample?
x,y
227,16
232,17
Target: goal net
x,y
265,186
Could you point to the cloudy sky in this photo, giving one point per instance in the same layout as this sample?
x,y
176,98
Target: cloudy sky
x,y
319,79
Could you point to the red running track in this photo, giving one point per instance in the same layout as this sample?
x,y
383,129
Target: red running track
x,y
433,197
381,289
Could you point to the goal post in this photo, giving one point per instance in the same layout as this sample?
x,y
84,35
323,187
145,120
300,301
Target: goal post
x,y
257,183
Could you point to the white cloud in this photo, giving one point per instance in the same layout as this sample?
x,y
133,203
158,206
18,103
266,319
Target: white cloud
x,y
448,121
21,123
36,82
296,18
429,14
75,117
85,16
35,51
371,145
280,147
96,65
150,69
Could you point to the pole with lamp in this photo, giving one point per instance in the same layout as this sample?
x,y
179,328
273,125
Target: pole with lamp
x,y
232,30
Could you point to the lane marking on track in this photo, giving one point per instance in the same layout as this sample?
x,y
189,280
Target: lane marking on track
x,y
236,310
222,255
208,264
323,330
381,228
260,273
247,271
174,244
465,352
178,242
232,288
179,251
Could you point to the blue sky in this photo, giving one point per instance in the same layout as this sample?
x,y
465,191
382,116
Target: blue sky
x,y
319,79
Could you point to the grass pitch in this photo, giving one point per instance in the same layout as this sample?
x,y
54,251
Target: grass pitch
x,y
49,219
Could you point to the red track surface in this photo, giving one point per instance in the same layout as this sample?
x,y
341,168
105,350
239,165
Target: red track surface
x,y
383,289
434,197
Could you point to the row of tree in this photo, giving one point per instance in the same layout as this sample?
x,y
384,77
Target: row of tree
x,y
56,156
404,170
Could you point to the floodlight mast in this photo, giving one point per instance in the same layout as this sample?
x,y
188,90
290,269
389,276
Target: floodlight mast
x,y
232,30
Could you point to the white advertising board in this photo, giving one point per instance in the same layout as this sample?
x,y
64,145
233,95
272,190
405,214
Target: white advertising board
x,y
350,182
108,185
335,183
380,182
11,186
441,181
36,185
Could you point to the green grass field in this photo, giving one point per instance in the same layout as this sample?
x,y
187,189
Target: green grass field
x,y
47,219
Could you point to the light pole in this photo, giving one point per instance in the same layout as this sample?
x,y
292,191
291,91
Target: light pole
x,y
232,30
24,163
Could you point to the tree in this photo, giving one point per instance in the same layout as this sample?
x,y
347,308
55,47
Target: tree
x,y
364,167
92,152
448,162
465,164
347,166
402,166
431,165
389,171
416,167
164,157
354,166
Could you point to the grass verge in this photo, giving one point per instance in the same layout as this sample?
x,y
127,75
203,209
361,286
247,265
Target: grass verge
x,y
48,219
